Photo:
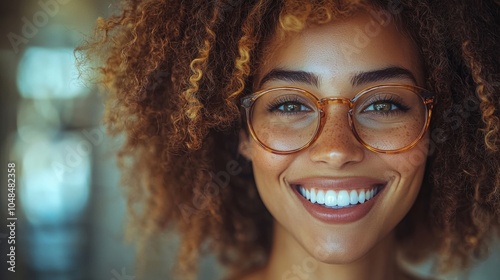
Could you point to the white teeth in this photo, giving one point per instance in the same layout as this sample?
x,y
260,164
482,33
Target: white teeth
x,y
340,198
353,195
302,191
330,198
368,195
313,196
361,196
320,197
343,198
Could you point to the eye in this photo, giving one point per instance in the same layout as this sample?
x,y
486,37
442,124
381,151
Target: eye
x,y
288,105
385,104
381,106
292,107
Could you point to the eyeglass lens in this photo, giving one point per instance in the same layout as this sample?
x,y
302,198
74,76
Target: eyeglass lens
x,y
385,118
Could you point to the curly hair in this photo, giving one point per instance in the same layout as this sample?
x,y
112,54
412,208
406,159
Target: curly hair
x,y
176,70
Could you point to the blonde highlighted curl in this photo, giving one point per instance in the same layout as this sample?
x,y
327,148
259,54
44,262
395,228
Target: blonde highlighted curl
x,y
175,71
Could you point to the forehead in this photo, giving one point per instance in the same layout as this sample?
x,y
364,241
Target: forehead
x,y
342,47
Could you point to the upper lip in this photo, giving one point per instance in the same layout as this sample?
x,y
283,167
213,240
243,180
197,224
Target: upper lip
x,y
329,183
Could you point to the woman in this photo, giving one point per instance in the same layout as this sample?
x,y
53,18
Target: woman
x,y
308,139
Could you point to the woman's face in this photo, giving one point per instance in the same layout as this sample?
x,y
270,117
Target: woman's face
x,y
339,59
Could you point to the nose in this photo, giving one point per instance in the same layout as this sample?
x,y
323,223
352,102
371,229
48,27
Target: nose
x,y
336,144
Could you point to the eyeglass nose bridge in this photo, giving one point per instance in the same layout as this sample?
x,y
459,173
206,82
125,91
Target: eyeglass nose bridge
x,y
334,100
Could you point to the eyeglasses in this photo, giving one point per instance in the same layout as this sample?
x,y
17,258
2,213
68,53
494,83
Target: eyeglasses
x,y
384,118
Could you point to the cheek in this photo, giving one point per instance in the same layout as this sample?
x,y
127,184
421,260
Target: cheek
x,y
267,167
409,164
406,171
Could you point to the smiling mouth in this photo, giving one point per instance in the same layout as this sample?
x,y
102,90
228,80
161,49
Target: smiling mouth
x,y
338,199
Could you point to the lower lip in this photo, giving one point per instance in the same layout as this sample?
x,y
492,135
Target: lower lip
x,y
339,216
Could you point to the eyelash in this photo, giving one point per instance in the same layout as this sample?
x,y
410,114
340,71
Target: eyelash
x,y
273,106
388,99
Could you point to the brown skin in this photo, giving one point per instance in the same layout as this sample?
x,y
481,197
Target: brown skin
x,y
362,249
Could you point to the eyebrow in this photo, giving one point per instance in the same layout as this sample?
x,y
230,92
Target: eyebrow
x,y
358,78
381,75
291,76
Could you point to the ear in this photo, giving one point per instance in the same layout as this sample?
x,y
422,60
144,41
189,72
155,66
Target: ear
x,y
244,145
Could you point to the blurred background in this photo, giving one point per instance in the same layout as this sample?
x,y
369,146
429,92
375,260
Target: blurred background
x,y
70,208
